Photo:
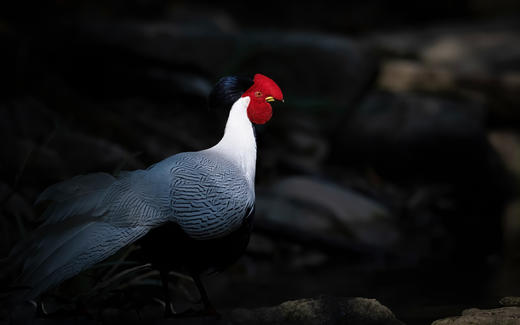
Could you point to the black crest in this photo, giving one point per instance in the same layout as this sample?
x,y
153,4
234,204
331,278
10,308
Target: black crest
x,y
228,90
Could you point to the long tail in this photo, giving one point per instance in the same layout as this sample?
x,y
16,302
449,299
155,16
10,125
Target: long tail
x,y
73,237
60,251
80,195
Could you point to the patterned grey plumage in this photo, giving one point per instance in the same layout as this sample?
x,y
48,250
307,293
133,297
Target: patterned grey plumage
x,y
207,193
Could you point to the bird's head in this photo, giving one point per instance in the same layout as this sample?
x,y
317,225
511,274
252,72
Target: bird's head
x,y
261,90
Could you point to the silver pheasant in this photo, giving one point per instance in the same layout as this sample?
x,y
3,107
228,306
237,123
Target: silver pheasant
x,y
205,194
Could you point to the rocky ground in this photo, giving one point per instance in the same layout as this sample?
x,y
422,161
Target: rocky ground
x,y
321,310
391,172
509,313
314,311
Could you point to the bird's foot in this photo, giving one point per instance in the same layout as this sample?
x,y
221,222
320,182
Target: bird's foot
x,y
169,312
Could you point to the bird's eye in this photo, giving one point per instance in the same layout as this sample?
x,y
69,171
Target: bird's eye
x,y
258,94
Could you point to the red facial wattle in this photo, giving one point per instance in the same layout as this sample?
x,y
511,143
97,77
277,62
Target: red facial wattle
x,y
259,113
259,110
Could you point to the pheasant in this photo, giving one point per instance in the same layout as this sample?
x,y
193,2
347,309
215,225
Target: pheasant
x,y
192,210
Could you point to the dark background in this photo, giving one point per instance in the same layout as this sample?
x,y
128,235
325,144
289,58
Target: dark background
x,y
391,171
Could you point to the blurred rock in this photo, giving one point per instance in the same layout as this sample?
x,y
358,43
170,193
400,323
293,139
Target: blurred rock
x,y
260,245
474,316
396,131
507,145
312,259
108,155
467,48
510,301
508,282
424,141
324,208
116,316
475,61
43,148
339,69
402,75
322,310
305,151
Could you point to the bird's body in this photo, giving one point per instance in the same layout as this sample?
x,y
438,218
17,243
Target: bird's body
x,y
189,255
193,208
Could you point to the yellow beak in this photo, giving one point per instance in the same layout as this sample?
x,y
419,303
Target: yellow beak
x,y
270,99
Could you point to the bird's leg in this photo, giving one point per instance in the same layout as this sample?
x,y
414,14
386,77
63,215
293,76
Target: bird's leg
x,y
40,309
168,307
208,306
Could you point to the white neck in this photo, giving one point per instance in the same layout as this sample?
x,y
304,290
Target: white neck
x,y
238,143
